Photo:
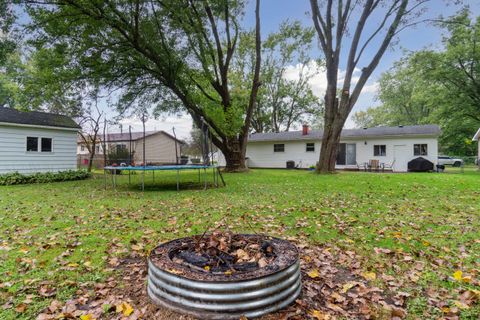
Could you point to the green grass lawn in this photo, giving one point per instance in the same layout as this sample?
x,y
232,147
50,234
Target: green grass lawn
x,y
58,236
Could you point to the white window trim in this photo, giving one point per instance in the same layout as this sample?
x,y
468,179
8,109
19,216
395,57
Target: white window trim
x,y
39,145
420,155
380,155
306,146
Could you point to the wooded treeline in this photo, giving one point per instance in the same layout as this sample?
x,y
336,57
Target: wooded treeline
x,y
436,87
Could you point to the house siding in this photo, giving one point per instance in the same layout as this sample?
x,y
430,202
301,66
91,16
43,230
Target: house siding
x,y
261,154
159,149
14,157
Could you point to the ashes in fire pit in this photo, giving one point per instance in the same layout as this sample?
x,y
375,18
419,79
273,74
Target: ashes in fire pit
x,y
224,275
225,253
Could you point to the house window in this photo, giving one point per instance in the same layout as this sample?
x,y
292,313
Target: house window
x,y
310,147
278,147
420,149
97,149
82,148
32,144
121,147
380,150
46,145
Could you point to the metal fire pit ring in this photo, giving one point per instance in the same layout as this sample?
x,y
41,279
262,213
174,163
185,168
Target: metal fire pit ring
x,y
219,296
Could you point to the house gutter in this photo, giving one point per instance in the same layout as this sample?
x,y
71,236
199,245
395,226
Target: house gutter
x,y
37,126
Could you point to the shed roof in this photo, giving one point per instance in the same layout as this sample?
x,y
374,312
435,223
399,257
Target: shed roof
x,y
420,130
36,118
125,136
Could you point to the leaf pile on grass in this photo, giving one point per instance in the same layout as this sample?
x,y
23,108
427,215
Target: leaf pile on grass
x,y
42,177
226,252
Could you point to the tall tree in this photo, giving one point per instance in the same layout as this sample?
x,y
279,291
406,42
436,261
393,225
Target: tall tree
x,y
91,122
334,21
172,54
457,68
441,87
38,81
286,100
7,42
407,93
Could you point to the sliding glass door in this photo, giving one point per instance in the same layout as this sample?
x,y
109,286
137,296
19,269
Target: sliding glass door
x,y
347,154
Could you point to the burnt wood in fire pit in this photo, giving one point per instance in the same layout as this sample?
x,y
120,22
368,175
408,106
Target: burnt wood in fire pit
x,y
218,286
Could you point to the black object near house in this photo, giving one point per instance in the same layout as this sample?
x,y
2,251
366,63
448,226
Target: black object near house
x,y
420,165
290,164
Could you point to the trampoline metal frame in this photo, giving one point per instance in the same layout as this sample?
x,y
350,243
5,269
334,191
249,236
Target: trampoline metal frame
x,y
215,170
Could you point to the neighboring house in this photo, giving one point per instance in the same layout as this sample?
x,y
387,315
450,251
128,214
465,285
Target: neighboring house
x,y
159,146
36,141
387,144
476,137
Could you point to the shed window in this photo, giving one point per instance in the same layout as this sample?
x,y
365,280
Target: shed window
x,y
32,144
278,147
310,147
420,149
46,144
380,150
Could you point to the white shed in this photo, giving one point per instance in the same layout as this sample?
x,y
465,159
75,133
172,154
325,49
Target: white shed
x,y
476,137
36,142
389,145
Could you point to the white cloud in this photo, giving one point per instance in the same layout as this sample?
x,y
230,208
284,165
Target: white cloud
x,y
318,80
371,88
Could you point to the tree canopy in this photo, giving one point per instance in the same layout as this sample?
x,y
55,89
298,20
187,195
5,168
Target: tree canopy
x,y
440,87
172,56
285,99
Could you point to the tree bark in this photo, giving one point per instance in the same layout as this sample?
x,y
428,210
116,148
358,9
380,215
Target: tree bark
x,y
338,105
328,150
90,160
234,157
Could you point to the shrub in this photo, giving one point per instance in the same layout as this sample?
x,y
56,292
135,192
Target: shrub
x,y
42,177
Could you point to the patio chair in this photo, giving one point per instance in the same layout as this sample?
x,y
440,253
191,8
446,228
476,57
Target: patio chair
x,y
362,166
388,166
373,164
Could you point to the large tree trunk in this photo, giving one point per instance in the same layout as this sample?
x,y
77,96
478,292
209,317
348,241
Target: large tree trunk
x,y
328,151
234,156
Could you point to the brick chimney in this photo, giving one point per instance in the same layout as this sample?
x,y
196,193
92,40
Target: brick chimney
x,y
305,129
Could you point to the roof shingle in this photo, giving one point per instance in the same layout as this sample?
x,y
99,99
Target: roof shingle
x,y
420,130
36,118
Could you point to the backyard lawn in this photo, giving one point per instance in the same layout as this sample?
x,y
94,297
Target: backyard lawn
x,y
417,234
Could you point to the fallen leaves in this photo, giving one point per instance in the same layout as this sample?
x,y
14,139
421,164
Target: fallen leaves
x,y
458,276
319,315
313,274
369,275
20,308
125,308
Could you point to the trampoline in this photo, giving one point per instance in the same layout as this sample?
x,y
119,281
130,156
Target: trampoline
x,y
215,171
206,165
